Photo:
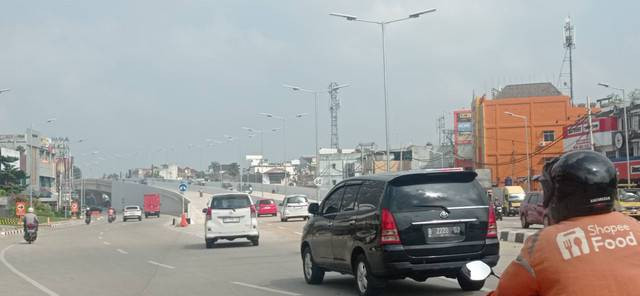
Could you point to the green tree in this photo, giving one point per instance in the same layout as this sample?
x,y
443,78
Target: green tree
x,y
12,180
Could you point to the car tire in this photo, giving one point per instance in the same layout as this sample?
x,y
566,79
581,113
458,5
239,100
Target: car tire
x,y
255,241
284,219
524,222
469,285
146,216
275,215
313,274
140,218
366,283
124,220
209,243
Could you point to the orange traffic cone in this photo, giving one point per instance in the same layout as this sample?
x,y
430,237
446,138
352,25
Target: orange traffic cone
x,y
183,221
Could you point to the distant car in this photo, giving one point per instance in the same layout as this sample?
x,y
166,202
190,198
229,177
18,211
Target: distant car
x,y
415,225
227,185
294,206
532,211
267,206
230,216
132,212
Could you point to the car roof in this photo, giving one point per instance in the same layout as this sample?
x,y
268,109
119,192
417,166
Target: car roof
x,y
389,177
230,193
131,206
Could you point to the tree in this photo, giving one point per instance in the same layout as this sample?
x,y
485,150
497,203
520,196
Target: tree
x,y
214,167
12,180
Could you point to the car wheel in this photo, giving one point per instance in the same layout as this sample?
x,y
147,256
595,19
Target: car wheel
x,y
366,283
523,221
255,241
312,274
146,215
468,285
275,215
284,219
140,218
124,220
209,243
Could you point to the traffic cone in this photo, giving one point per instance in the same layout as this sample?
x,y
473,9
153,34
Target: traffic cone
x,y
183,221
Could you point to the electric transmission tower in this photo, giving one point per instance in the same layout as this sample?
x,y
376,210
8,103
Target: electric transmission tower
x,y
565,80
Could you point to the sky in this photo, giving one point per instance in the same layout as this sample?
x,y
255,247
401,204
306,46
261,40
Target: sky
x,y
166,81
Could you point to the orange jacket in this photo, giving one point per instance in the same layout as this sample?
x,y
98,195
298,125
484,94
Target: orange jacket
x,y
590,255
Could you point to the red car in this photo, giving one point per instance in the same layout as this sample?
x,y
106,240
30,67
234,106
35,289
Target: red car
x,y
267,206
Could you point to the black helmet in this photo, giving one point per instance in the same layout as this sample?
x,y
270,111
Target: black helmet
x,y
579,183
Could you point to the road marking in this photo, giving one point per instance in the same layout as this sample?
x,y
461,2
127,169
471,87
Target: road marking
x,y
99,237
24,276
298,233
160,264
106,243
456,281
101,233
122,251
266,289
281,227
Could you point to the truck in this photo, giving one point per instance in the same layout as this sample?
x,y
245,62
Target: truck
x,y
511,197
152,205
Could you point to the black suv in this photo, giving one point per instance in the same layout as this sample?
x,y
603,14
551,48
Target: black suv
x,y
415,224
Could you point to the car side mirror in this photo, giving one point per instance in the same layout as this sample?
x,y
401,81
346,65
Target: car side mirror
x,y
314,208
476,271
204,211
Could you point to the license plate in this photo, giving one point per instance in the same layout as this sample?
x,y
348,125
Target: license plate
x,y
230,220
455,230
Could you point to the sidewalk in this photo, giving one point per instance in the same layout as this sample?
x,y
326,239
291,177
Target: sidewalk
x,y
6,231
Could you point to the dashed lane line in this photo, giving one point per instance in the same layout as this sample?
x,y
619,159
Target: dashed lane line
x,y
121,251
298,233
266,289
160,264
24,276
107,243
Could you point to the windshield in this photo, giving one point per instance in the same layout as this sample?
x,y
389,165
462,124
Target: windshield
x,y
230,202
629,197
448,194
265,202
516,197
297,199
132,208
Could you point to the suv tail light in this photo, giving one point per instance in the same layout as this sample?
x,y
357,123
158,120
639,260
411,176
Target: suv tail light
x,y
492,228
388,230
253,212
208,214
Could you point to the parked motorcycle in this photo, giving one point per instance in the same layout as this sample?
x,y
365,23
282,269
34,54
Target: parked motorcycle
x,y
31,234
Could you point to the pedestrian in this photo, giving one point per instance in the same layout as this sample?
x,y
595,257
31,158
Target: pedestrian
x,y
589,249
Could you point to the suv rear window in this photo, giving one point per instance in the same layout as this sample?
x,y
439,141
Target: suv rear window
x,y
231,201
442,190
131,208
296,199
265,202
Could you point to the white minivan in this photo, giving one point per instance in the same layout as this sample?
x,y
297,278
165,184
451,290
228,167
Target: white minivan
x,y
230,216
294,206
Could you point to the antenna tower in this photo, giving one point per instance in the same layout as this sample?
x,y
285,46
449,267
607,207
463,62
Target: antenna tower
x,y
565,80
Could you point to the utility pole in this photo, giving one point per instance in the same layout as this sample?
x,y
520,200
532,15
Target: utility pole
x,y
591,144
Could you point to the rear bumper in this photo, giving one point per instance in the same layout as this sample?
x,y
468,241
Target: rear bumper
x,y
131,216
231,235
396,263
268,212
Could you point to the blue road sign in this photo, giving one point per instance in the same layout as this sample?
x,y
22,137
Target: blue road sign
x,y
182,187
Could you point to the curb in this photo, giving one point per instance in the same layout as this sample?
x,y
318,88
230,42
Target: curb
x,y
11,232
515,236
7,233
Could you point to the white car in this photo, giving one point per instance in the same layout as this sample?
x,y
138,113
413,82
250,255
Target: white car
x,y
131,212
294,206
230,216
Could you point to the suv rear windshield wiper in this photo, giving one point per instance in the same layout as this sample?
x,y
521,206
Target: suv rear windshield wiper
x,y
434,206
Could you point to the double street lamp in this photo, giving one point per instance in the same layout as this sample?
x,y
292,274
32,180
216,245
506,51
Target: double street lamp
x,y
526,142
382,25
626,127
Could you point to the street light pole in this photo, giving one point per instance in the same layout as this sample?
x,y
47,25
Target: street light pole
x,y
261,153
382,25
526,141
626,128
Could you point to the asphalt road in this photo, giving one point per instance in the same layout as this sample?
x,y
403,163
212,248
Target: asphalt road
x,y
154,258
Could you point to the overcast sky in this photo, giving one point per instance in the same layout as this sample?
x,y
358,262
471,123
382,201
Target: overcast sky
x,y
134,77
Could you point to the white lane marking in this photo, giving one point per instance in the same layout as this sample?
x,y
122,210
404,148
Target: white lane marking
x,y
160,264
266,289
281,227
121,251
298,233
99,237
456,281
106,243
24,276
101,233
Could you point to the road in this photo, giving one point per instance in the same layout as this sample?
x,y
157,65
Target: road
x,y
153,257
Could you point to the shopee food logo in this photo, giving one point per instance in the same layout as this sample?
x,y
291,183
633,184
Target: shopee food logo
x,y
575,242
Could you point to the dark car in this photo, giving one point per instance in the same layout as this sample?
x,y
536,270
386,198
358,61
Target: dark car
x,y
418,224
532,211
227,185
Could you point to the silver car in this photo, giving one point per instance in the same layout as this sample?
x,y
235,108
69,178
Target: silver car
x,y
294,206
132,212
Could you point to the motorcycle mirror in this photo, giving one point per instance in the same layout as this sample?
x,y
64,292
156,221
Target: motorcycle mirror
x,y
476,270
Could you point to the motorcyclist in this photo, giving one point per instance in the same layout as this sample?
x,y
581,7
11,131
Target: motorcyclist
x,y
30,218
590,249
87,214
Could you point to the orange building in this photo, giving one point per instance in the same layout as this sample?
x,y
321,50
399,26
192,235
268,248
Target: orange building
x,y
499,129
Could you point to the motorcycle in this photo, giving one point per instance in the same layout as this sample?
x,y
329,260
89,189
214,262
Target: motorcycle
x,y
31,233
498,210
87,219
111,218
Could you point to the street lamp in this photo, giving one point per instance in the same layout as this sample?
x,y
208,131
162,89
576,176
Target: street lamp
x,y
4,90
626,127
384,63
315,93
526,141
251,130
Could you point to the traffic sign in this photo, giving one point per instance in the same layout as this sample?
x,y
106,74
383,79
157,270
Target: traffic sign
x,y
182,187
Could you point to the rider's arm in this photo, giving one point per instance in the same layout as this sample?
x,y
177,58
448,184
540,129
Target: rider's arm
x,y
516,280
